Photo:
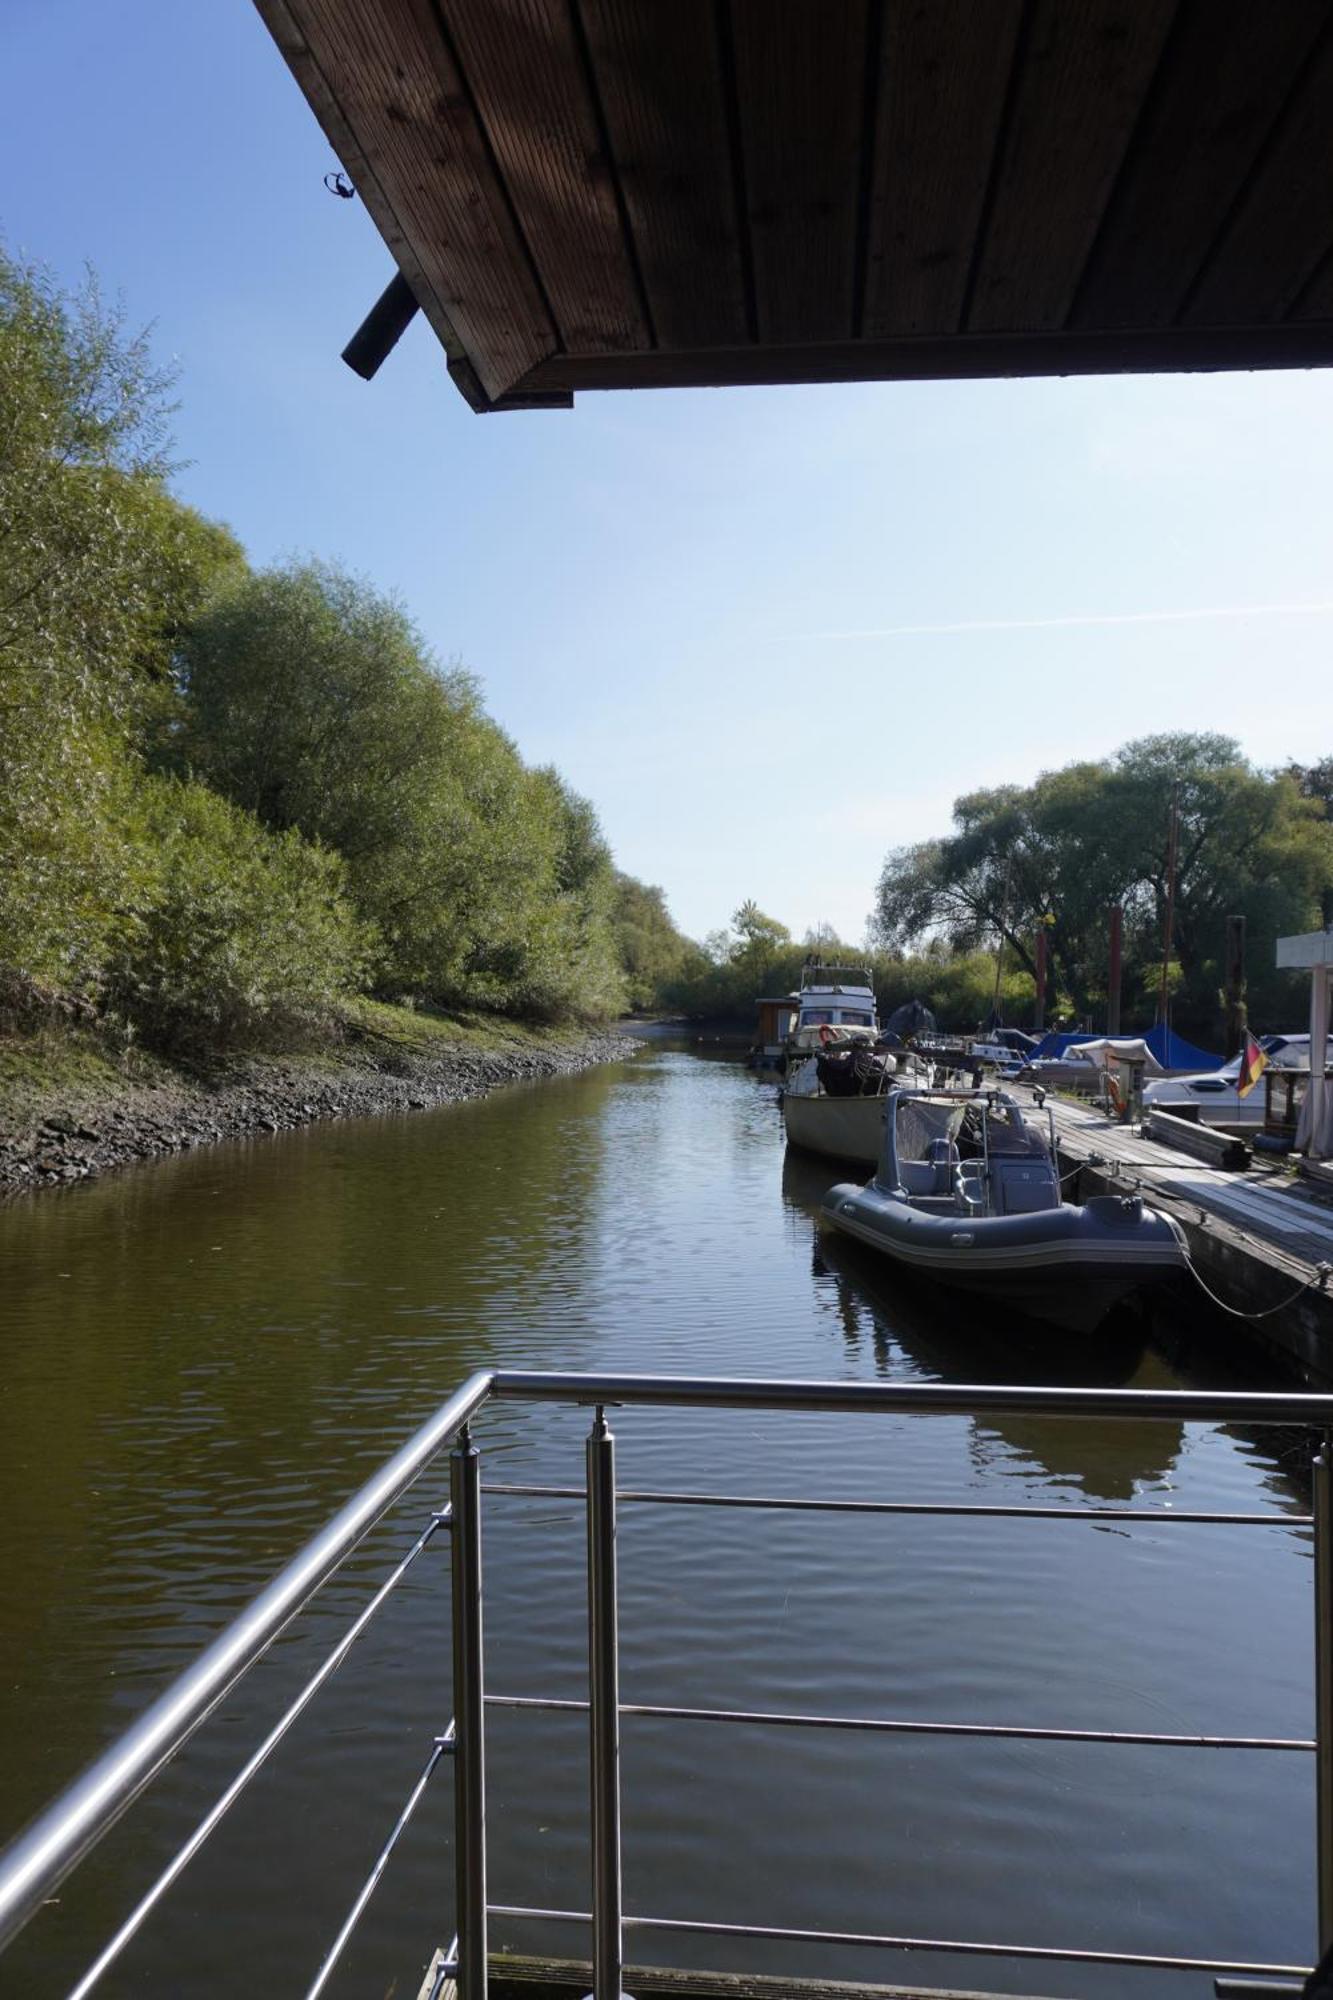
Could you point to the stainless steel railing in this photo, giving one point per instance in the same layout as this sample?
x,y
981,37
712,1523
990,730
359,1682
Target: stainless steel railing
x,y
33,1867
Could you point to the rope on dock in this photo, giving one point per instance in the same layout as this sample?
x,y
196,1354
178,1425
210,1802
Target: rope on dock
x,y
1317,1279
1135,1171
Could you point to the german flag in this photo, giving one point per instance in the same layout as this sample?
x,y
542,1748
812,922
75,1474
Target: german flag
x,y
1253,1063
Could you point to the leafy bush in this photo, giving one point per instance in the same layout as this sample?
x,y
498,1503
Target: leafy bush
x,y
70,871
239,926
101,567
313,702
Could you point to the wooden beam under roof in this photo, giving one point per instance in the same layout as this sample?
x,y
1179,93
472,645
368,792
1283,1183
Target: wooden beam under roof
x,y
628,193
938,124
658,71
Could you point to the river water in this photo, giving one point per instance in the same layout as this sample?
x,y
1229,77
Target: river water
x,y
203,1357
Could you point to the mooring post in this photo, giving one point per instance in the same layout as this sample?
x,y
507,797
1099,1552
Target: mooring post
x,y
604,1712
1323,1686
469,1720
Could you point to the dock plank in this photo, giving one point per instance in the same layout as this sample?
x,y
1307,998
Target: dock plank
x,y
1258,1241
1263,1201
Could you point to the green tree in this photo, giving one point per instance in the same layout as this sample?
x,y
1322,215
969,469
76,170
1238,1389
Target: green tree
x,y
1061,851
100,569
313,702
237,926
654,956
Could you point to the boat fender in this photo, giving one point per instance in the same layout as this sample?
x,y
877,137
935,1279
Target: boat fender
x,y
1132,1204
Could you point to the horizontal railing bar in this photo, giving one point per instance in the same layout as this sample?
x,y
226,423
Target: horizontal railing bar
x,y
800,1505
184,1855
34,1864
888,1727
939,1398
39,1860
368,1887
963,1948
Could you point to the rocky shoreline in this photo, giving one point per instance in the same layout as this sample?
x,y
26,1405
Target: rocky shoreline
x,y
79,1138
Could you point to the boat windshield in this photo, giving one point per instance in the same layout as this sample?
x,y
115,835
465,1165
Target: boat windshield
x,y
923,1123
1007,1133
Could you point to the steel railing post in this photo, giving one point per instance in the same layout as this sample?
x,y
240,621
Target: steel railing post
x,y
604,1713
469,1720
1322,1509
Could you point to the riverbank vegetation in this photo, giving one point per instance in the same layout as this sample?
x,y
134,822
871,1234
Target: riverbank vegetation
x,y
231,799
236,803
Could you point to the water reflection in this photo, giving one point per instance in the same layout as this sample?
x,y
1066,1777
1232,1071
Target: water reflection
x,y
203,1357
916,1327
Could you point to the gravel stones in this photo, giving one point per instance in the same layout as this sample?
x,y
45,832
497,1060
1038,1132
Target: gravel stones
x,y
75,1144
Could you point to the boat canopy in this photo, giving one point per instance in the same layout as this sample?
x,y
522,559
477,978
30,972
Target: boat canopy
x,y
912,1018
1121,1048
1053,1045
1174,1052
1168,1049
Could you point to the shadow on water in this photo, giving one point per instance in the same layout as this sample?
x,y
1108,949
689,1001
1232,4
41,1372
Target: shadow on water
x,y
1161,1339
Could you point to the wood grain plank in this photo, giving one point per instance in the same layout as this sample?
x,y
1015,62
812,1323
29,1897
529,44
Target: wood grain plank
x,y
395,88
1283,227
1315,303
1227,73
658,76
526,73
800,73
944,68
1086,67
946,357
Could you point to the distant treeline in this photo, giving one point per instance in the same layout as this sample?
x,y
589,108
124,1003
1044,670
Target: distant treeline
x,y
229,796
1055,857
722,979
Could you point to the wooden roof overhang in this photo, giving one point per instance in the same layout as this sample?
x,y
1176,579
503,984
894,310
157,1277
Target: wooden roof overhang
x,y
602,194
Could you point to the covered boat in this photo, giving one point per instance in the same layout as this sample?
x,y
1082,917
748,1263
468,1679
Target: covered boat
x,y
968,1191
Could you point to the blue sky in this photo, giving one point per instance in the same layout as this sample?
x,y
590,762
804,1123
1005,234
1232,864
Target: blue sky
x,y
769,632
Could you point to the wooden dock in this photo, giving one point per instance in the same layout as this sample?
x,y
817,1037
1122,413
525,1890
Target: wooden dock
x,y
1258,1239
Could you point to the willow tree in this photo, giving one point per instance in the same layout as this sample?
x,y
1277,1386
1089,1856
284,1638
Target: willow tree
x,y
1062,850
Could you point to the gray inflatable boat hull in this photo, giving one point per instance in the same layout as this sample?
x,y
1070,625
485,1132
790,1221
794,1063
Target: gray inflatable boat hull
x,y
1069,1264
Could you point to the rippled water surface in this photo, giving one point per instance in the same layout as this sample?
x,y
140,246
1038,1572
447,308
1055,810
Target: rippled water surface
x,y
202,1358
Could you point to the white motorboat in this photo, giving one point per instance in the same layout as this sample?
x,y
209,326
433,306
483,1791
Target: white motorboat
x,y
833,1102
843,1127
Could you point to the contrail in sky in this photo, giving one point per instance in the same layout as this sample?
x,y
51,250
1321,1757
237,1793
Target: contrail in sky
x,y
1322,606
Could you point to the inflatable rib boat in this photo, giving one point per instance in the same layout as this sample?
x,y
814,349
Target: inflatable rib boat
x,y
967,1191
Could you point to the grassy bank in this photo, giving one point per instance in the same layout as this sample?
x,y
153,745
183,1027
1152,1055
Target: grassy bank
x,y
76,1100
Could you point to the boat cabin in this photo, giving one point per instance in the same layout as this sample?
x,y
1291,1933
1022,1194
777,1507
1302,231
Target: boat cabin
x,y
777,1017
834,997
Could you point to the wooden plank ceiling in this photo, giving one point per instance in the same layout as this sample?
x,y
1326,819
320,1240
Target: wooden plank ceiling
x,y
596,194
